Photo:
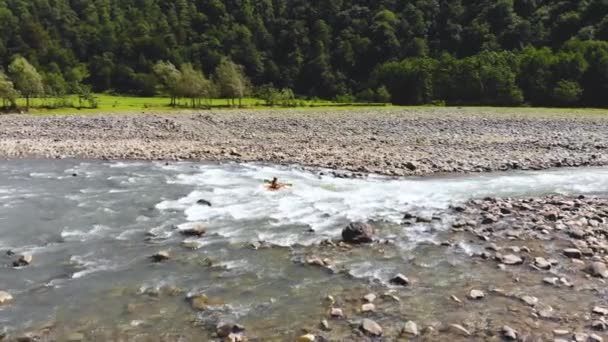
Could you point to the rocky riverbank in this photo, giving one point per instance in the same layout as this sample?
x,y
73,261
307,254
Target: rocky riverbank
x,y
386,141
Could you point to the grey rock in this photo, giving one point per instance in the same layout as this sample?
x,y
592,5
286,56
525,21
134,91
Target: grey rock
x,y
598,269
370,327
358,232
573,253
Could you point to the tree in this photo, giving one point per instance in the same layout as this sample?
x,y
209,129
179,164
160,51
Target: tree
x,y
169,77
26,79
192,84
567,93
231,80
8,94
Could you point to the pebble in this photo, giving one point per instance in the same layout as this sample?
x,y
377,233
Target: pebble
x,y
595,338
561,332
509,333
460,329
511,259
371,327
600,311
476,294
369,307
370,297
5,297
337,313
542,263
598,269
325,325
531,301
573,253
580,337
411,328
306,338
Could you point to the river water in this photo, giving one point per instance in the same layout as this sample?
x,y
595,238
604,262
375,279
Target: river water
x,y
91,227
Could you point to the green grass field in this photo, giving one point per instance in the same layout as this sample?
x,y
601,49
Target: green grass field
x,y
113,103
130,104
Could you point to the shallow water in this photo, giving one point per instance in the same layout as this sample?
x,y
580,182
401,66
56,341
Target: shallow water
x,y
89,235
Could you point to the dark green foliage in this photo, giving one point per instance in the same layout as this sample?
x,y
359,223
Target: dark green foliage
x,y
446,50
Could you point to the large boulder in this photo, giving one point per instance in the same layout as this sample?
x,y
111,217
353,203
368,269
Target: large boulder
x,y
358,232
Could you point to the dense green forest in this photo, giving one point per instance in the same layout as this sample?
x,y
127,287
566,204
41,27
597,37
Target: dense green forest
x,y
488,52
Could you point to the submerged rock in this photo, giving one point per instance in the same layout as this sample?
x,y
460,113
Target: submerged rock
x,y
370,327
161,256
24,260
203,202
400,280
358,232
225,329
194,230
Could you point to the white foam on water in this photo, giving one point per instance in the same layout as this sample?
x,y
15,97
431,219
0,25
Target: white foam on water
x,y
79,235
89,265
324,203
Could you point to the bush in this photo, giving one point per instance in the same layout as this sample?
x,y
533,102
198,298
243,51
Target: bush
x,y
567,92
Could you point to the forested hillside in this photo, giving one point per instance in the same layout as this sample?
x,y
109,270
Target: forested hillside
x,y
505,52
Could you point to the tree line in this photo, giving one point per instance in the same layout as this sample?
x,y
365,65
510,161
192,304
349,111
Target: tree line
x,y
339,49
576,75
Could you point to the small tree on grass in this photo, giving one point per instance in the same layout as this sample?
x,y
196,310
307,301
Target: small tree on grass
x,y
169,77
8,94
193,84
567,93
231,81
26,79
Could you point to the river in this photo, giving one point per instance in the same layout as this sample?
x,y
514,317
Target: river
x,y
92,226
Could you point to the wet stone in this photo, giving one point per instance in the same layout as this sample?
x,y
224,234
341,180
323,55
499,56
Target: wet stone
x,y
600,311
371,327
358,233
370,297
476,294
580,337
511,259
595,338
542,263
460,329
337,313
5,297
161,256
24,260
529,300
509,333
306,338
411,328
369,307
400,280
598,325
573,253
